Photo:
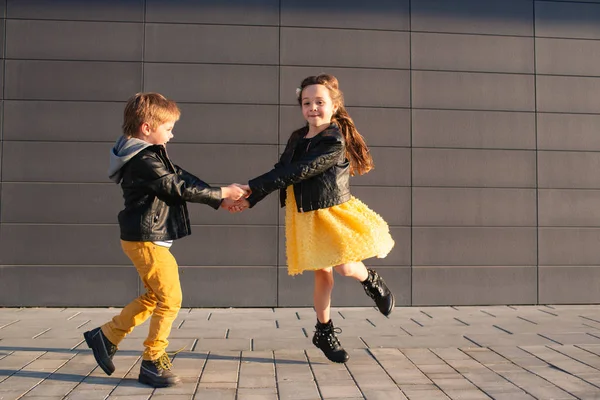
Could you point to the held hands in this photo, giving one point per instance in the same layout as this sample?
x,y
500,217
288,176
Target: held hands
x,y
239,205
235,191
234,197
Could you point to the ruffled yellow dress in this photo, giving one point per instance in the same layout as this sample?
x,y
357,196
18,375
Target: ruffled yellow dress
x,y
324,238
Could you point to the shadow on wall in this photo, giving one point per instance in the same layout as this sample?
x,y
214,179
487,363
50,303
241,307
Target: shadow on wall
x,y
423,11
510,17
514,17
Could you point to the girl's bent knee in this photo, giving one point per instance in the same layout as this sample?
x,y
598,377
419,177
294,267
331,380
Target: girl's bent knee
x,y
345,269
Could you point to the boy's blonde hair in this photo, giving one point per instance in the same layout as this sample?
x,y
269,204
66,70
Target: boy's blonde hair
x,y
151,108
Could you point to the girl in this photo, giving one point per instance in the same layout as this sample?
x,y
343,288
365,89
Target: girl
x,y
326,227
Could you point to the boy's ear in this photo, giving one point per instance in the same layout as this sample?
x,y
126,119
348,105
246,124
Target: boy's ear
x,y
145,129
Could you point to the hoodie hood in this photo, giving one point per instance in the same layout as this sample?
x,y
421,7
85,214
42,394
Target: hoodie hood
x,y
123,151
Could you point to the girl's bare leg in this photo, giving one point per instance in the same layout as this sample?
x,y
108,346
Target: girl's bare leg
x,y
373,284
322,293
356,270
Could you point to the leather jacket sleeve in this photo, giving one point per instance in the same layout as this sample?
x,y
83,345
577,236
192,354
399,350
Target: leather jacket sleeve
x,y
177,187
324,155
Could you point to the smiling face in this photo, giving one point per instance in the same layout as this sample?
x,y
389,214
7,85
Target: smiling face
x,y
317,107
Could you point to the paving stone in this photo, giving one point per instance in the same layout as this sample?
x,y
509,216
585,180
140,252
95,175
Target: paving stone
x,y
338,389
207,344
11,394
257,370
257,394
50,388
28,397
298,391
215,394
511,396
466,394
82,394
500,352
377,394
424,394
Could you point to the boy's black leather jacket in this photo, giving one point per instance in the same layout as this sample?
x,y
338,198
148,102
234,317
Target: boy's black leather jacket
x,y
155,193
321,177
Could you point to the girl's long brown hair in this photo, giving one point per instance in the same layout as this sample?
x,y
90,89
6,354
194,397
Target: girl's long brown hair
x,y
357,151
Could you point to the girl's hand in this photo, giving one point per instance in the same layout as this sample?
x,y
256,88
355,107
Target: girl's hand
x,y
246,189
227,204
239,205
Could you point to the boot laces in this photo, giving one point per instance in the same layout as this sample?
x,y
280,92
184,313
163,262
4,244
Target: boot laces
x,y
173,353
330,336
373,286
163,362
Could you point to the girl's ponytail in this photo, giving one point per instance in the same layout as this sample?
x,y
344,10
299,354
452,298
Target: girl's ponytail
x,y
357,151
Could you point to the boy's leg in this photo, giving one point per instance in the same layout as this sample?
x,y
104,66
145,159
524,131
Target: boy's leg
x,y
134,314
104,340
160,274
138,311
162,280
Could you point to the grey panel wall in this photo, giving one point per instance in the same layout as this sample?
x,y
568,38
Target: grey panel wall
x,y
482,118
473,149
567,154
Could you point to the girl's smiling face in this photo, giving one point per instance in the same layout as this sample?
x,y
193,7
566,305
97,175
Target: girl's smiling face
x,y
317,106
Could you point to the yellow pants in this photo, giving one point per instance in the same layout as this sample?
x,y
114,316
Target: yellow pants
x,y
159,273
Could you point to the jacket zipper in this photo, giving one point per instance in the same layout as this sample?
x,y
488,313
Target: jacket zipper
x,y
305,151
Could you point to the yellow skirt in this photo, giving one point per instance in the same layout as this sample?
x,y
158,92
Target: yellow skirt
x,y
347,232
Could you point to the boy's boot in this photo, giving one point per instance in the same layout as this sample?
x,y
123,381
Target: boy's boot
x,y
376,289
329,344
102,348
157,373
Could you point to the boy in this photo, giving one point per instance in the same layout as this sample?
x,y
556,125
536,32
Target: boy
x,y
155,192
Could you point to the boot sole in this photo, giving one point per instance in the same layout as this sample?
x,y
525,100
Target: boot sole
x,y
337,362
147,381
108,370
392,307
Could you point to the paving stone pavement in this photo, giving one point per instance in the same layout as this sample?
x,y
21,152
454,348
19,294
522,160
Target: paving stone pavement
x,y
418,353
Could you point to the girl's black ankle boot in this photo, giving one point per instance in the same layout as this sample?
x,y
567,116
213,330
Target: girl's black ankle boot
x,y
326,340
376,289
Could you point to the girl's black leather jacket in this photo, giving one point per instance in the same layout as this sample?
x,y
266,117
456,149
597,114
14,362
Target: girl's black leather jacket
x,y
156,192
321,177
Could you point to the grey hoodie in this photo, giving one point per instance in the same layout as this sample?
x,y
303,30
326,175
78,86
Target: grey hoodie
x,y
123,151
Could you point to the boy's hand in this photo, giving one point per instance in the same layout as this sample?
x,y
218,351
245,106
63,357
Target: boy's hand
x,y
239,205
233,192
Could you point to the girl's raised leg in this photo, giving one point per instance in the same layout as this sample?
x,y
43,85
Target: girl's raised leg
x,y
356,270
373,284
